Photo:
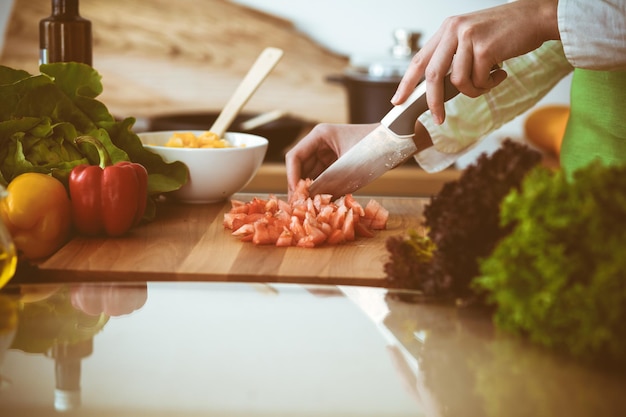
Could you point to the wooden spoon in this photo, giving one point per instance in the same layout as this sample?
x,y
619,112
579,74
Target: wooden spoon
x,y
255,76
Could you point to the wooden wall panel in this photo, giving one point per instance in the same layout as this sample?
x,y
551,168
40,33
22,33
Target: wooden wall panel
x,y
160,56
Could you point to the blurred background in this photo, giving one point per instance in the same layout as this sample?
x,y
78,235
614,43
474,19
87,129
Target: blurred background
x,y
159,56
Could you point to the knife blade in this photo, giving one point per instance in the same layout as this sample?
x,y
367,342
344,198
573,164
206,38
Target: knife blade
x,y
383,149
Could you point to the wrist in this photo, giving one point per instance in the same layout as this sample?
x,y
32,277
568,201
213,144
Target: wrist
x,y
548,18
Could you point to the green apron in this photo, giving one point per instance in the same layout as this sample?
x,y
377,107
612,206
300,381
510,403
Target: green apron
x,y
597,125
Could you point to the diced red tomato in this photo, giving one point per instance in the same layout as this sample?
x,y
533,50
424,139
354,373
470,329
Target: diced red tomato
x,y
244,230
230,217
325,213
376,214
264,234
304,221
239,207
256,206
296,228
348,225
237,203
325,227
299,211
351,203
338,217
285,238
282,215
336,237
271,205
284,206
313,233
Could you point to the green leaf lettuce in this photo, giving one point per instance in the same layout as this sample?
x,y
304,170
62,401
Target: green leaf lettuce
x,y
42,114
560,276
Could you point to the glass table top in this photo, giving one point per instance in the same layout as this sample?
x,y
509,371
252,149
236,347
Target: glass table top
x,y
237,349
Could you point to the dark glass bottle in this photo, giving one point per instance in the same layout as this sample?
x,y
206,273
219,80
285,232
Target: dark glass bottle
x,y
67,369
65,36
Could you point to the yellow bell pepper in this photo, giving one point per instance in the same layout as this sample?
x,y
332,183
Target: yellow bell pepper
x,y
37,212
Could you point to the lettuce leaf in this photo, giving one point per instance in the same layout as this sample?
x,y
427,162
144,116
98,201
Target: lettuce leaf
x,y
558,277
41,114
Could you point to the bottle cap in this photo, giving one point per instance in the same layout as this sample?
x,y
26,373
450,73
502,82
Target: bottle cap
x,y
66,400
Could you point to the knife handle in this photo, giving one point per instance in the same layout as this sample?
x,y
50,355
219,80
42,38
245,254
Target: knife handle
x,y
401,118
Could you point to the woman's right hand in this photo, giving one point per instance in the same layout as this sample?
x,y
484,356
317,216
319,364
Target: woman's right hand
x,y
320,148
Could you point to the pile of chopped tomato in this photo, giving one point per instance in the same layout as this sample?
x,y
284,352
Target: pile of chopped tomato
x,y
304,221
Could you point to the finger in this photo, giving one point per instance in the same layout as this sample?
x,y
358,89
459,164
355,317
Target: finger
x,y
317,168
415,72
297,157
486,83
292,165
407,84
462,67
435,73
481,75
468,75
310,156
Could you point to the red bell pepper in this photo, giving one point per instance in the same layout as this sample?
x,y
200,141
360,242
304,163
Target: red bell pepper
x,y
107,199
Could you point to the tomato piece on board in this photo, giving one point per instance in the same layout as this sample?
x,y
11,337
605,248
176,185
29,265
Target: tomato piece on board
x,y
351,203
304,221
314,233
286,238
296,228
244,230
376,214
348,226
336,237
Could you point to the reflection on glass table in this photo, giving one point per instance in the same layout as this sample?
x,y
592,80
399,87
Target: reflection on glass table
x,y
8,253
60,322
232,349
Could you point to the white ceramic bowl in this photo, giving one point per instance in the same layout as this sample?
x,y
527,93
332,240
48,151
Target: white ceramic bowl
x,y
215,174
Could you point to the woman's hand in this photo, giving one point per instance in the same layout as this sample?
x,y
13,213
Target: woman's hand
x,y
472,46
320,148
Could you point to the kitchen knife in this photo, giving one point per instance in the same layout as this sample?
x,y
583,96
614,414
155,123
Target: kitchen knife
x,y
384,148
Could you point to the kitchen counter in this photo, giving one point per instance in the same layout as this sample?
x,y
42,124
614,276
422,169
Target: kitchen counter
x,y
235,349
181,318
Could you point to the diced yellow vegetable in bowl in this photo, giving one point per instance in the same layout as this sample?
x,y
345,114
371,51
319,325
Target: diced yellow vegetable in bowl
x,y
218,167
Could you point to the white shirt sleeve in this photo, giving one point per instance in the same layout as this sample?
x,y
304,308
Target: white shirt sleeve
x,y
593,33
468,120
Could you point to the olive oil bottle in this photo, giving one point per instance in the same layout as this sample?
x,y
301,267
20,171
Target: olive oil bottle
x,y
65,36
8,254
8,263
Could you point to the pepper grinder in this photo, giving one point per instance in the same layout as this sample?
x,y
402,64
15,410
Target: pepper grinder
x,y
65,36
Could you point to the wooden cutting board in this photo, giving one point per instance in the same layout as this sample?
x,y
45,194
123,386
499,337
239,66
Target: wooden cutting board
x,y
189,243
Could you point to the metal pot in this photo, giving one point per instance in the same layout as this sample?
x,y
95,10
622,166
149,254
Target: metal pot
x,y
368,97
371,84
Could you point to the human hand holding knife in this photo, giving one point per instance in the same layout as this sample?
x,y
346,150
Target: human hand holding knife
x,y
387,146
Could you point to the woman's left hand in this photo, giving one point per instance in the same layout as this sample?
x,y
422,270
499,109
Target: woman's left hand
x,y
472,46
